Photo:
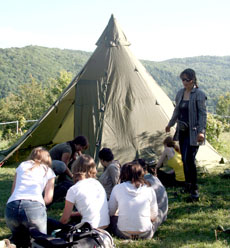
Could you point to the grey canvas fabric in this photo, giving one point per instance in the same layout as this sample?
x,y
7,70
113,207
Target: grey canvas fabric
x,y
110,177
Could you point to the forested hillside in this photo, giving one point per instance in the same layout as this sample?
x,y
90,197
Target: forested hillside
x,y
213,74
18,65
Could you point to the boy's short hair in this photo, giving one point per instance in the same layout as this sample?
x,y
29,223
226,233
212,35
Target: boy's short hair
x,y
106,154
82,141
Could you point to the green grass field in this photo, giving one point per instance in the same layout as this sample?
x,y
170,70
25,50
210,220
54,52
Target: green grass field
x,y
225,140
189,225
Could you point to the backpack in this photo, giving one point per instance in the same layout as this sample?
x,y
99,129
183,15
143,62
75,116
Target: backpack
x,y
81,235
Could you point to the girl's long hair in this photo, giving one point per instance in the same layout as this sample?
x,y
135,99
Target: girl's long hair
x,y
134,173
82,166
40,156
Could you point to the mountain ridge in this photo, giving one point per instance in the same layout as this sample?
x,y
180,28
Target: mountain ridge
x,y
18,65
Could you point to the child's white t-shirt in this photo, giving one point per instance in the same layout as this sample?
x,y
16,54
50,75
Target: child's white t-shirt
x,y
30,184
89,197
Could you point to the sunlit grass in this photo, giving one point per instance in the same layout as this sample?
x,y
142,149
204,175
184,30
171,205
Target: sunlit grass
x,y
189,225
225,140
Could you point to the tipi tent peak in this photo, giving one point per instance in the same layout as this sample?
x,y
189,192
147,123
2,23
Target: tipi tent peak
x,y
113,35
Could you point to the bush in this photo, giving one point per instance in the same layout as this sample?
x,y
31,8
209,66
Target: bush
x,y
214,128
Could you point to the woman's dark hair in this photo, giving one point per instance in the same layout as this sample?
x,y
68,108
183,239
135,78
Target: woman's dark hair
x,y
82,141
106,154
134,173
151,168
79,140
190,74
169,142
124,172
142,162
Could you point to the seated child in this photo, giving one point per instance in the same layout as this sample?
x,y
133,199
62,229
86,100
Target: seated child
x,y
63,155
110,176
136,203
161,194
172,156
87,195
26,206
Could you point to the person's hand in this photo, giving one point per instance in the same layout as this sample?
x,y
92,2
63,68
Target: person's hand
x,y
79,153
153,219
75,214
167,129
200,137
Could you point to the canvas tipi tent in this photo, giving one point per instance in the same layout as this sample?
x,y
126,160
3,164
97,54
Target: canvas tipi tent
x,y
113,101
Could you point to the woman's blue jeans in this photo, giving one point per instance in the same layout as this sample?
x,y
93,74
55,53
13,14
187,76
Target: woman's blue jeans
x,y
22,214
188,154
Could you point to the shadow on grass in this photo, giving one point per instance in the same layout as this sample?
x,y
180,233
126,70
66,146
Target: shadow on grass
x,y
188,224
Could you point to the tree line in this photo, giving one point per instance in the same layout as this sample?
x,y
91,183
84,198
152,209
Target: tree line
x,y
29,103
32,78
18,65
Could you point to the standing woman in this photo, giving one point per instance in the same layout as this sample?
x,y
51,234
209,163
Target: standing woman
x,y
190,115
26,205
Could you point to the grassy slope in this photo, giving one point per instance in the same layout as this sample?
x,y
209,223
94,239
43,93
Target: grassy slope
x,y
225,139
190,225
6,177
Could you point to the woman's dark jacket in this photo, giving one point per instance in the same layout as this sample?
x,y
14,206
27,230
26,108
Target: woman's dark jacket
x,y
197,114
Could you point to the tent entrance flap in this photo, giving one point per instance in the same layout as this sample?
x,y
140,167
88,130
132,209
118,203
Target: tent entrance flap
x,y
64,133
89,112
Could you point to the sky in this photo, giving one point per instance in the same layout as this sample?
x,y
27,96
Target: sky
x,y
157,29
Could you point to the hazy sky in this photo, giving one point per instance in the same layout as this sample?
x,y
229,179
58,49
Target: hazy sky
x,y
156,29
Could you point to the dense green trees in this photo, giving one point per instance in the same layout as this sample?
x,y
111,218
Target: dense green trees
x,y
29,102
217,124
56,86
223,105
213,74
18,65
31,99
32,78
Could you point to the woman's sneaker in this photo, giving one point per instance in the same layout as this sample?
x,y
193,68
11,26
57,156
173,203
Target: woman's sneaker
x,y
194,197
186,189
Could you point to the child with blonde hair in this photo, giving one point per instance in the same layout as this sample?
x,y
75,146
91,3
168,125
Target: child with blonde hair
x,y
26,206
